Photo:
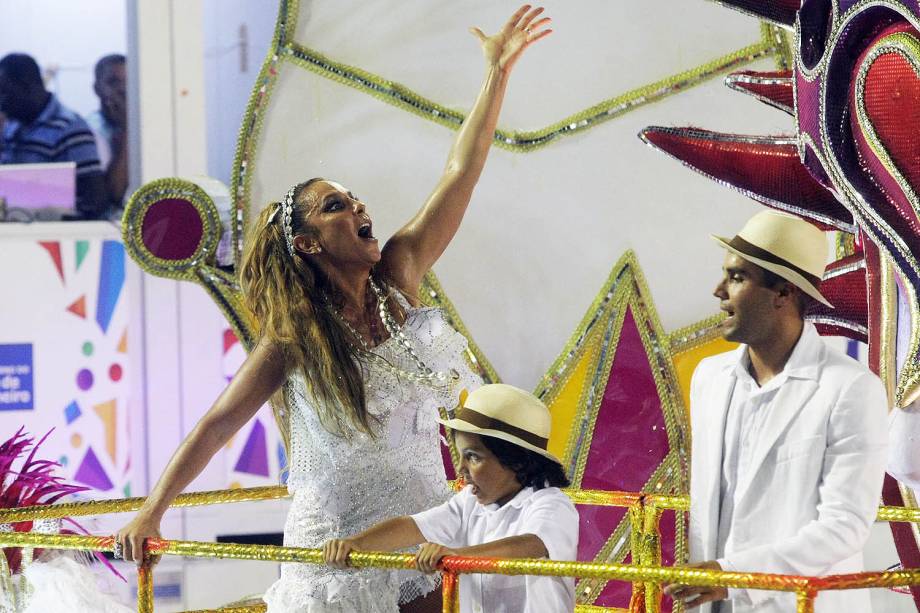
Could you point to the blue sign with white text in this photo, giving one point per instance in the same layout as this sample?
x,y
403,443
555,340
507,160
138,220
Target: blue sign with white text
x,y
16,387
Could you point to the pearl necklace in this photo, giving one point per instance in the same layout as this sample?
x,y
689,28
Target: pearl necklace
x,y
424,374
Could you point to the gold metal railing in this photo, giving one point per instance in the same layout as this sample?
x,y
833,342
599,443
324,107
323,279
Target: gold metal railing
x,y
646,573
805,588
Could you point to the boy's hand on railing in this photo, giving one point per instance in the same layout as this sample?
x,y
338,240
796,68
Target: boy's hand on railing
x,y
429,556
335,552
695,595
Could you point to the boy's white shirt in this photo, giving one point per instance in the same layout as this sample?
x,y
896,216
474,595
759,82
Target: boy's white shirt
x,y
546,513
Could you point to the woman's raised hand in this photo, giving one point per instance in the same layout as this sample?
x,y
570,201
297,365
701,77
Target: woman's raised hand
x,y
522,30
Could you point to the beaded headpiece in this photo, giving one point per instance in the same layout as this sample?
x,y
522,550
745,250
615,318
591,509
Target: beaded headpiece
x,y
286,208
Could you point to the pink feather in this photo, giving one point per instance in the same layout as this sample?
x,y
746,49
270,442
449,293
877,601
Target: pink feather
x,y
33,484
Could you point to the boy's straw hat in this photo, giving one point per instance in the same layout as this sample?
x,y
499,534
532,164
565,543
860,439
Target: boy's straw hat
x,y
505,412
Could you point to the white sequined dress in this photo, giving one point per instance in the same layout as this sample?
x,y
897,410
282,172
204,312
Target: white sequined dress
x,y
342,486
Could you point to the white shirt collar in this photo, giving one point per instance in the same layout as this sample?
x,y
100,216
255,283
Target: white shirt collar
x,y
802,363
516,503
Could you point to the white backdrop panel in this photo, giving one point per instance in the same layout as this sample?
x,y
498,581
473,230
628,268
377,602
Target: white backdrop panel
x,y
544,228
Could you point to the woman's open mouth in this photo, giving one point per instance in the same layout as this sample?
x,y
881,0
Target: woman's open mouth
x,y
366,232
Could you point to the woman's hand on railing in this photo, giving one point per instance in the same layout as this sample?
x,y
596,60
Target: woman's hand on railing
x,y
131,538
429,557
335,552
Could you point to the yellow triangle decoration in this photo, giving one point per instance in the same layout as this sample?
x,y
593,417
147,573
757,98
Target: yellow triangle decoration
x,y
106,412
565,405
685,362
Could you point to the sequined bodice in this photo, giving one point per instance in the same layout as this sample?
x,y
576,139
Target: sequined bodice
x,y
406,445
342,485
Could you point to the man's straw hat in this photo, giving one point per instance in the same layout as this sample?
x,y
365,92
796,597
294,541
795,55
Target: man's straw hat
x,y
786,245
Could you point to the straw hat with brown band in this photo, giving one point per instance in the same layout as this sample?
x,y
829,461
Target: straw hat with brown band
x,y
506,412
786,245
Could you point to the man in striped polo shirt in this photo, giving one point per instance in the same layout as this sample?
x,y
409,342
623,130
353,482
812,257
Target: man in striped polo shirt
x,y
39,129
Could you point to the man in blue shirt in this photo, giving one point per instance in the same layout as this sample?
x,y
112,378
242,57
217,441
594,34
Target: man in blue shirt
x,y
39,129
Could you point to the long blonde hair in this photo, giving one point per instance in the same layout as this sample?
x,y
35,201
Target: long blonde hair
x,y
287,295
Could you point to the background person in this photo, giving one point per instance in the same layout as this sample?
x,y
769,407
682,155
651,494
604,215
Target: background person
x,y
39,129
109,125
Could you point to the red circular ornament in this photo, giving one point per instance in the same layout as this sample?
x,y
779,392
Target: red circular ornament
x,y
115,372
172,229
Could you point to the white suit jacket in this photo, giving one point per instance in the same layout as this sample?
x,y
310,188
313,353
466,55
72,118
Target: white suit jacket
x,y
813,486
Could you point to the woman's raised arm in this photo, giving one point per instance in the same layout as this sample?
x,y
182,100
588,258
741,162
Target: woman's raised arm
x,y
258,378
412,251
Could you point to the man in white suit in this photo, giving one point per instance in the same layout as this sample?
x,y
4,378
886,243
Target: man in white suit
x,y
789,435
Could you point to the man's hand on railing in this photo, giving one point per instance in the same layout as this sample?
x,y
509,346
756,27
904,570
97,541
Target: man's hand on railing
x,y
695,595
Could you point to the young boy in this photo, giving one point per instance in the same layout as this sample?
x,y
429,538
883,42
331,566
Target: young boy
x,y
511,507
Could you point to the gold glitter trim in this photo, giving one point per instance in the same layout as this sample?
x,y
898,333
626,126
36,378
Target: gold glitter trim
x,y
404,98
887,337
253,120
844,245
615,549
451,444
125,505
695,335
399,561
910,508
778,37
432,294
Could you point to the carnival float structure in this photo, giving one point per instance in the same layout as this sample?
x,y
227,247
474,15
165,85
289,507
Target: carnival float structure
x,y
849,79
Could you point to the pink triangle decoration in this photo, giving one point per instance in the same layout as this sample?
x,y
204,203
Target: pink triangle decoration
x,y
630,410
